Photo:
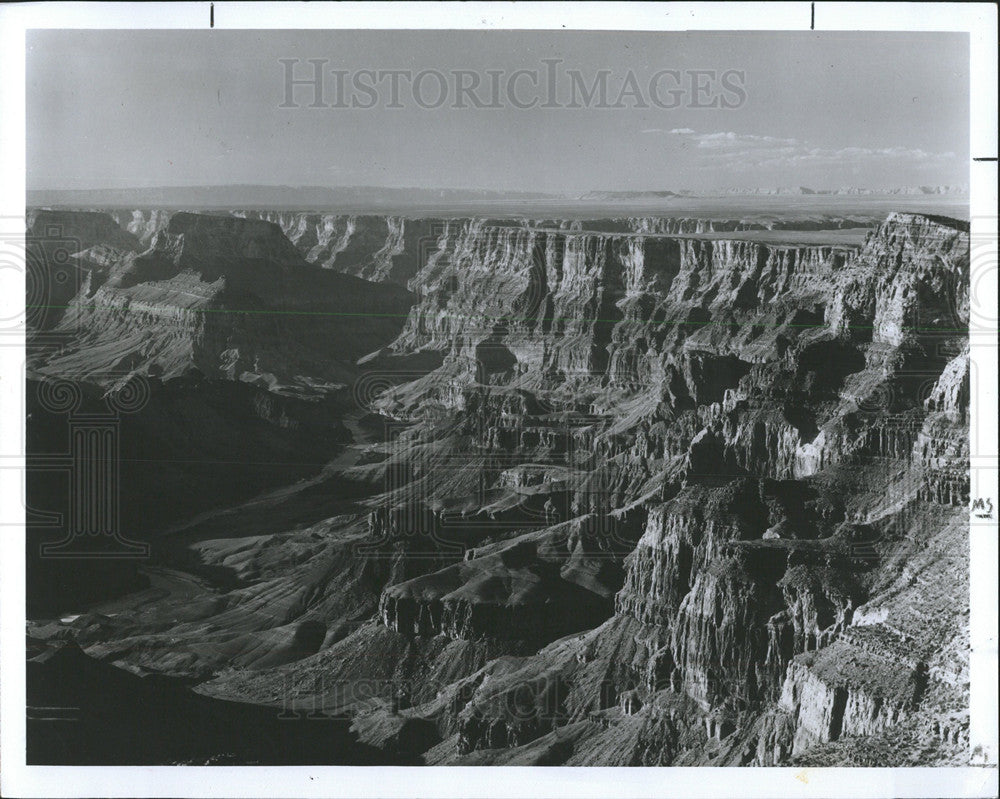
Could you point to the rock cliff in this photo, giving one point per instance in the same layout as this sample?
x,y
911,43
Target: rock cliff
x,y
228,297
663,497
787,428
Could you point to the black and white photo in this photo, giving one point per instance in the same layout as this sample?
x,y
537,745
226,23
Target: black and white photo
x,y
401,397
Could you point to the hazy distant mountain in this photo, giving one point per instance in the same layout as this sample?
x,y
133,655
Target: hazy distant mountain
x,y
780,191
850,190
958,191
271,197
629,195
376,197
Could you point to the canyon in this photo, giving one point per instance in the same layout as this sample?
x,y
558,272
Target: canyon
x,y
628,490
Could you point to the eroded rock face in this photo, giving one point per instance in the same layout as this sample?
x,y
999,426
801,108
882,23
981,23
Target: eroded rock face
x,y
231,298
144,224
534,588
77,230
376,248
667,499
782,419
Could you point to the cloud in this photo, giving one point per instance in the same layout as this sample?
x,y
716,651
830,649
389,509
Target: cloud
x,y
744,151
664,130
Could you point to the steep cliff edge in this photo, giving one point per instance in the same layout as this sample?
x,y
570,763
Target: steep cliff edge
x,y
394,248
376,248
228,297
668,499
791,425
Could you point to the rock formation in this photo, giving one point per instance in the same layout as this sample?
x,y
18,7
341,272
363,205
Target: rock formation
x,y
661,498
228,297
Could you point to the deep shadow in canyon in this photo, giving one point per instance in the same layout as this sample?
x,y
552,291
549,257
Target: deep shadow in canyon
x,y
499,491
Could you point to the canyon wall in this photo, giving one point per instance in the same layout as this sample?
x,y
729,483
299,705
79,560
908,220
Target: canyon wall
x,y
662,499
776,437
227,297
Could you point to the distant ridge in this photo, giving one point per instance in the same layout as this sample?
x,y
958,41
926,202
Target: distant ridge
x,y
632,195
374,197
852,190
261,196
781,191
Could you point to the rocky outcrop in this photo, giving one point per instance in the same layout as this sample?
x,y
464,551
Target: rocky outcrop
x,y
75,231
377,248
229,297
760,407
668,496
61,249
535,588
144,224
855,687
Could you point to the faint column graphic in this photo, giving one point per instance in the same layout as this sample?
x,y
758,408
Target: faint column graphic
x,y
92,461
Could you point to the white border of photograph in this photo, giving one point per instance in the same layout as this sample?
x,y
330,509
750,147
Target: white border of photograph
x,y
17,779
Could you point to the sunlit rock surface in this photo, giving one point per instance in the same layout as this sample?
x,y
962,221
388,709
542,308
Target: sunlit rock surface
x,y
641,495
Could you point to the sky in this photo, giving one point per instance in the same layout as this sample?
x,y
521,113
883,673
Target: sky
x,y
115,109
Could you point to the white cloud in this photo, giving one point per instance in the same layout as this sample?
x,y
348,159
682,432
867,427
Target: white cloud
x,y
744,151
675,131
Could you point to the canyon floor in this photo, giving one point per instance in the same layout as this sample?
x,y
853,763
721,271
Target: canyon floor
x,y
624,490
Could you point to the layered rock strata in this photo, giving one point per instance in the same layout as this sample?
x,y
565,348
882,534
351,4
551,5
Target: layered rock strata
x,y
666,500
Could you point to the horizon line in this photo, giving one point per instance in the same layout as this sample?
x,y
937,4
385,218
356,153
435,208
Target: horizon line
x,y
652,190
